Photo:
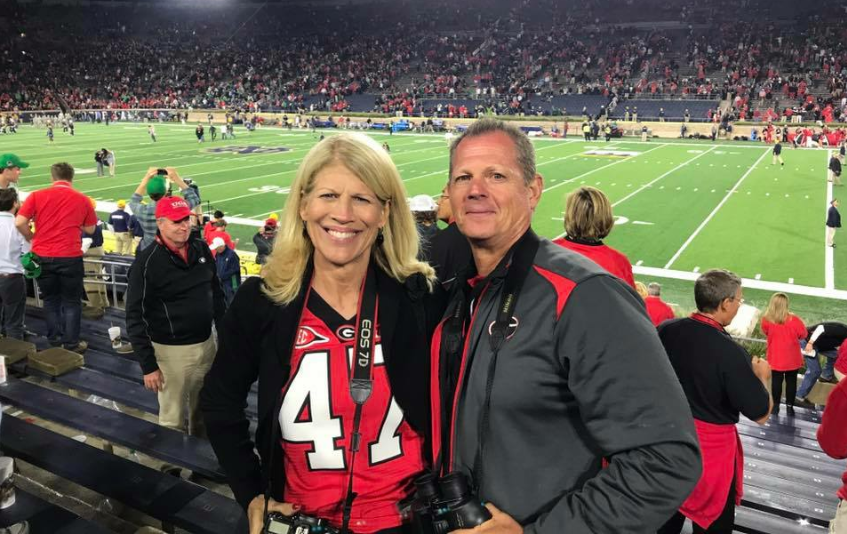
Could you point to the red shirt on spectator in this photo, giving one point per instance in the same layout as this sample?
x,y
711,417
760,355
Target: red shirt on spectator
x,y
841,362
658,310
59,213
832,434
604,256
784,343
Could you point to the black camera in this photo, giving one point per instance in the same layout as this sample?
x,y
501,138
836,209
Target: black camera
x,y
161,172
446,504
276,523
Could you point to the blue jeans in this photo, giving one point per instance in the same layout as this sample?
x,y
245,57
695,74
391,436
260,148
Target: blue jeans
x,y
61,288
828,372
813,370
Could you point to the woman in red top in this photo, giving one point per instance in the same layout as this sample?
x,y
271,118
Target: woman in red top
x,y
785,332
588,220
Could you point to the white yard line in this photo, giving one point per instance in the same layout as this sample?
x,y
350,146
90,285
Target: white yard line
x,y
714,211
650,184
829,252
592,171
838,294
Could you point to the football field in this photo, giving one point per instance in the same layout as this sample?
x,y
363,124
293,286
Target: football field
x,y
681,207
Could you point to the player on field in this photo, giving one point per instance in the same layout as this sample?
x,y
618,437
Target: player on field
x,y
296,329
151,131
777,153
50,133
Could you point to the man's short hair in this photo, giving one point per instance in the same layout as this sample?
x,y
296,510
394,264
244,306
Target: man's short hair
x,y
62,171
219,214
654,289
713,287
523,146
8,197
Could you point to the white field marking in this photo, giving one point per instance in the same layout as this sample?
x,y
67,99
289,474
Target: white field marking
x,y
238,215
758,276
790,280
583,175
829,252
557,218
639,262
695,189
696,269
713,190
679,188
643,223
714,211
838,294
767,194
649,184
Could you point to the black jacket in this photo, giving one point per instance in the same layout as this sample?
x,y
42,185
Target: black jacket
x,y
264,247
171,302
835,165
449,252
255,341
833,218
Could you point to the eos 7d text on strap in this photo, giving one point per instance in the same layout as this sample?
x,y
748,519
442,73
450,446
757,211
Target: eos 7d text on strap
x,y
361,383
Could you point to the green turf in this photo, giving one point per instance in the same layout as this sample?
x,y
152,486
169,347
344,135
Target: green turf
x,y
770,227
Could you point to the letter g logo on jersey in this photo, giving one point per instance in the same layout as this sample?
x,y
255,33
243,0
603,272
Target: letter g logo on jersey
x,y
307,337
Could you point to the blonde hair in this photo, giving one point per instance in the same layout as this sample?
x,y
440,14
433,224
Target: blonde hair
x,y
364,157
777,311
641,289
588,214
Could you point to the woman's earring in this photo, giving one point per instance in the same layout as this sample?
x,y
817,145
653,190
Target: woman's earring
x,y
379,238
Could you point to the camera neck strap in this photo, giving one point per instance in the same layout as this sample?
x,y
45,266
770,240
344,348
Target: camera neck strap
x,y
361,383
523,256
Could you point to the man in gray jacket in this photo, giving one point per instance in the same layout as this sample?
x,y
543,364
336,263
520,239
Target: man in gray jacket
x,y
546,365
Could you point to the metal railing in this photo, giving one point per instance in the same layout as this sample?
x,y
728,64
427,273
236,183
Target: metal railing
x,y
107,277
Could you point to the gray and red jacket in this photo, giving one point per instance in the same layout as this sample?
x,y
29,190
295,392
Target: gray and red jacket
x,y
582,376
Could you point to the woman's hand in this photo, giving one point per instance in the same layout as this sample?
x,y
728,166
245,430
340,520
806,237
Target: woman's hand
x,y
256,509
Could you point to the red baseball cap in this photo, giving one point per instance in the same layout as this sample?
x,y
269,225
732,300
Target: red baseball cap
x,y
172,208
271,222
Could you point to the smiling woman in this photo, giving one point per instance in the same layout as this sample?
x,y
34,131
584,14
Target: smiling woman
x,y
343,278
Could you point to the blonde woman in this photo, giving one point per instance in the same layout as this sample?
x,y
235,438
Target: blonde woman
x,y
785,331
588,220
342,279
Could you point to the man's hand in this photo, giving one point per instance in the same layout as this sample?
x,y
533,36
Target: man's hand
x,y
154,381
500,523
175,178
256,508
762,370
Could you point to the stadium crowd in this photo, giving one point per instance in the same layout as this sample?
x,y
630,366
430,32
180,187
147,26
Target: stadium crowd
x,y
505,58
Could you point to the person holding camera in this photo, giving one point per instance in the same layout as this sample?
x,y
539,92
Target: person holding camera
x,y
153,184
338,445
530,391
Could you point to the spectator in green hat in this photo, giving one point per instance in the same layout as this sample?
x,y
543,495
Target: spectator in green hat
x,y
11,166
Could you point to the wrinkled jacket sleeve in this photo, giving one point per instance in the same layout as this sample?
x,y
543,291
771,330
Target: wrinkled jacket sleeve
x,y
136,328
223,399
634,409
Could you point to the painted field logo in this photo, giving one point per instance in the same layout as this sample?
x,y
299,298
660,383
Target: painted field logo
x,y
248,150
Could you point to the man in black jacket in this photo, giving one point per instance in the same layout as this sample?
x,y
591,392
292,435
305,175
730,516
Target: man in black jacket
x,y
174,295
833,222
835,169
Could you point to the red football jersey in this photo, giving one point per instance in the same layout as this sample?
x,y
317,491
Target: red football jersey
x,y
316,419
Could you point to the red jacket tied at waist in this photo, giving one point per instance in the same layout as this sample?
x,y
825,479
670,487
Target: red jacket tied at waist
x,y
723,456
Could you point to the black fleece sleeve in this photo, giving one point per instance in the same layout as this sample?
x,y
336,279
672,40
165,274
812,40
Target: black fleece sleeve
x,y
223,399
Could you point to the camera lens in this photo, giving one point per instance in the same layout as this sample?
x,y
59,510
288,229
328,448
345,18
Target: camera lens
x,y
454,487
